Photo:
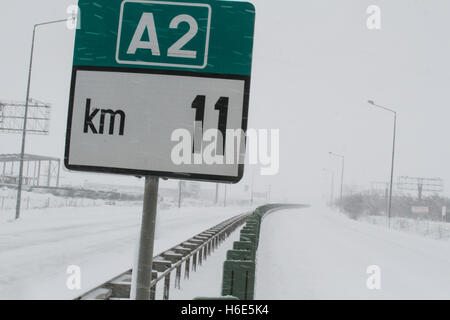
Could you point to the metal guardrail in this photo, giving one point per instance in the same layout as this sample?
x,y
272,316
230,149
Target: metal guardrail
x,y
195,250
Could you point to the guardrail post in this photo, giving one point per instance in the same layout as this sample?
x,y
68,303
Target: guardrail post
x,y
239,279
178,277
194,262
166,287
153,288
200,254
186,268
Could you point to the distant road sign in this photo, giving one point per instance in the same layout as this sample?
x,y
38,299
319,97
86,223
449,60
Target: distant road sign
x,y
12,115
143,70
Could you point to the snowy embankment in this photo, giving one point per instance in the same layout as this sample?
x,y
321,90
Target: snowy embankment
x,y
36,250
433,229
34,200
317,253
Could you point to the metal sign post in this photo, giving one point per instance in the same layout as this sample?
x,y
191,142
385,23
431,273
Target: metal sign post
x,y
147,238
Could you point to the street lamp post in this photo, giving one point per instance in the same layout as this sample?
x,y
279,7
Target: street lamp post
x,y
342,172
24,128
393,156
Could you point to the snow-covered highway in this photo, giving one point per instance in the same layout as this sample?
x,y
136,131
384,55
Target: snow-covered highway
x,y
312,253
317,253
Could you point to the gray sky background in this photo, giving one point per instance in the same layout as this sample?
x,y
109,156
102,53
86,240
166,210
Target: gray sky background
x,y
315,66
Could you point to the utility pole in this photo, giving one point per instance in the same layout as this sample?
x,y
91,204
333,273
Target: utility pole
x,y
342,173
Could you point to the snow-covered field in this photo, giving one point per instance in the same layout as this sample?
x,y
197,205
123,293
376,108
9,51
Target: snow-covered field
x,y
433,229
34,200
36,251
317,253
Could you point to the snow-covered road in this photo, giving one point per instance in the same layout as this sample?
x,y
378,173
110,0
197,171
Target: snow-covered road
x,y
36,250
317,253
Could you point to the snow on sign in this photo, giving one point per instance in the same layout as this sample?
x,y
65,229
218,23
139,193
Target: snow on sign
x,y
161,88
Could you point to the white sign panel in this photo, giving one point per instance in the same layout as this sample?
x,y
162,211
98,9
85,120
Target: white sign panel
x,y
154,123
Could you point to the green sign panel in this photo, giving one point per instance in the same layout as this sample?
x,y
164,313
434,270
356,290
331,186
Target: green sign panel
x,y
205,36
148,76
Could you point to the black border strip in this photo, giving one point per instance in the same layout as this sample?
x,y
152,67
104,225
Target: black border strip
x,y
172,175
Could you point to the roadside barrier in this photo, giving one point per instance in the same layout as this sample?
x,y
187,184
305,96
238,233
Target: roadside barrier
x,y
240,266
186,256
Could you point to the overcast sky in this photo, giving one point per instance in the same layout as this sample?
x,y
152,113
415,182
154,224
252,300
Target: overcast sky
x,y
315,66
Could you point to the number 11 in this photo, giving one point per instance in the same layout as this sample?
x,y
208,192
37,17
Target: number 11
x,y
221,105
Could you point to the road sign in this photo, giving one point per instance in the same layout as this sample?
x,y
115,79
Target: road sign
x,y
160,88
12,116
